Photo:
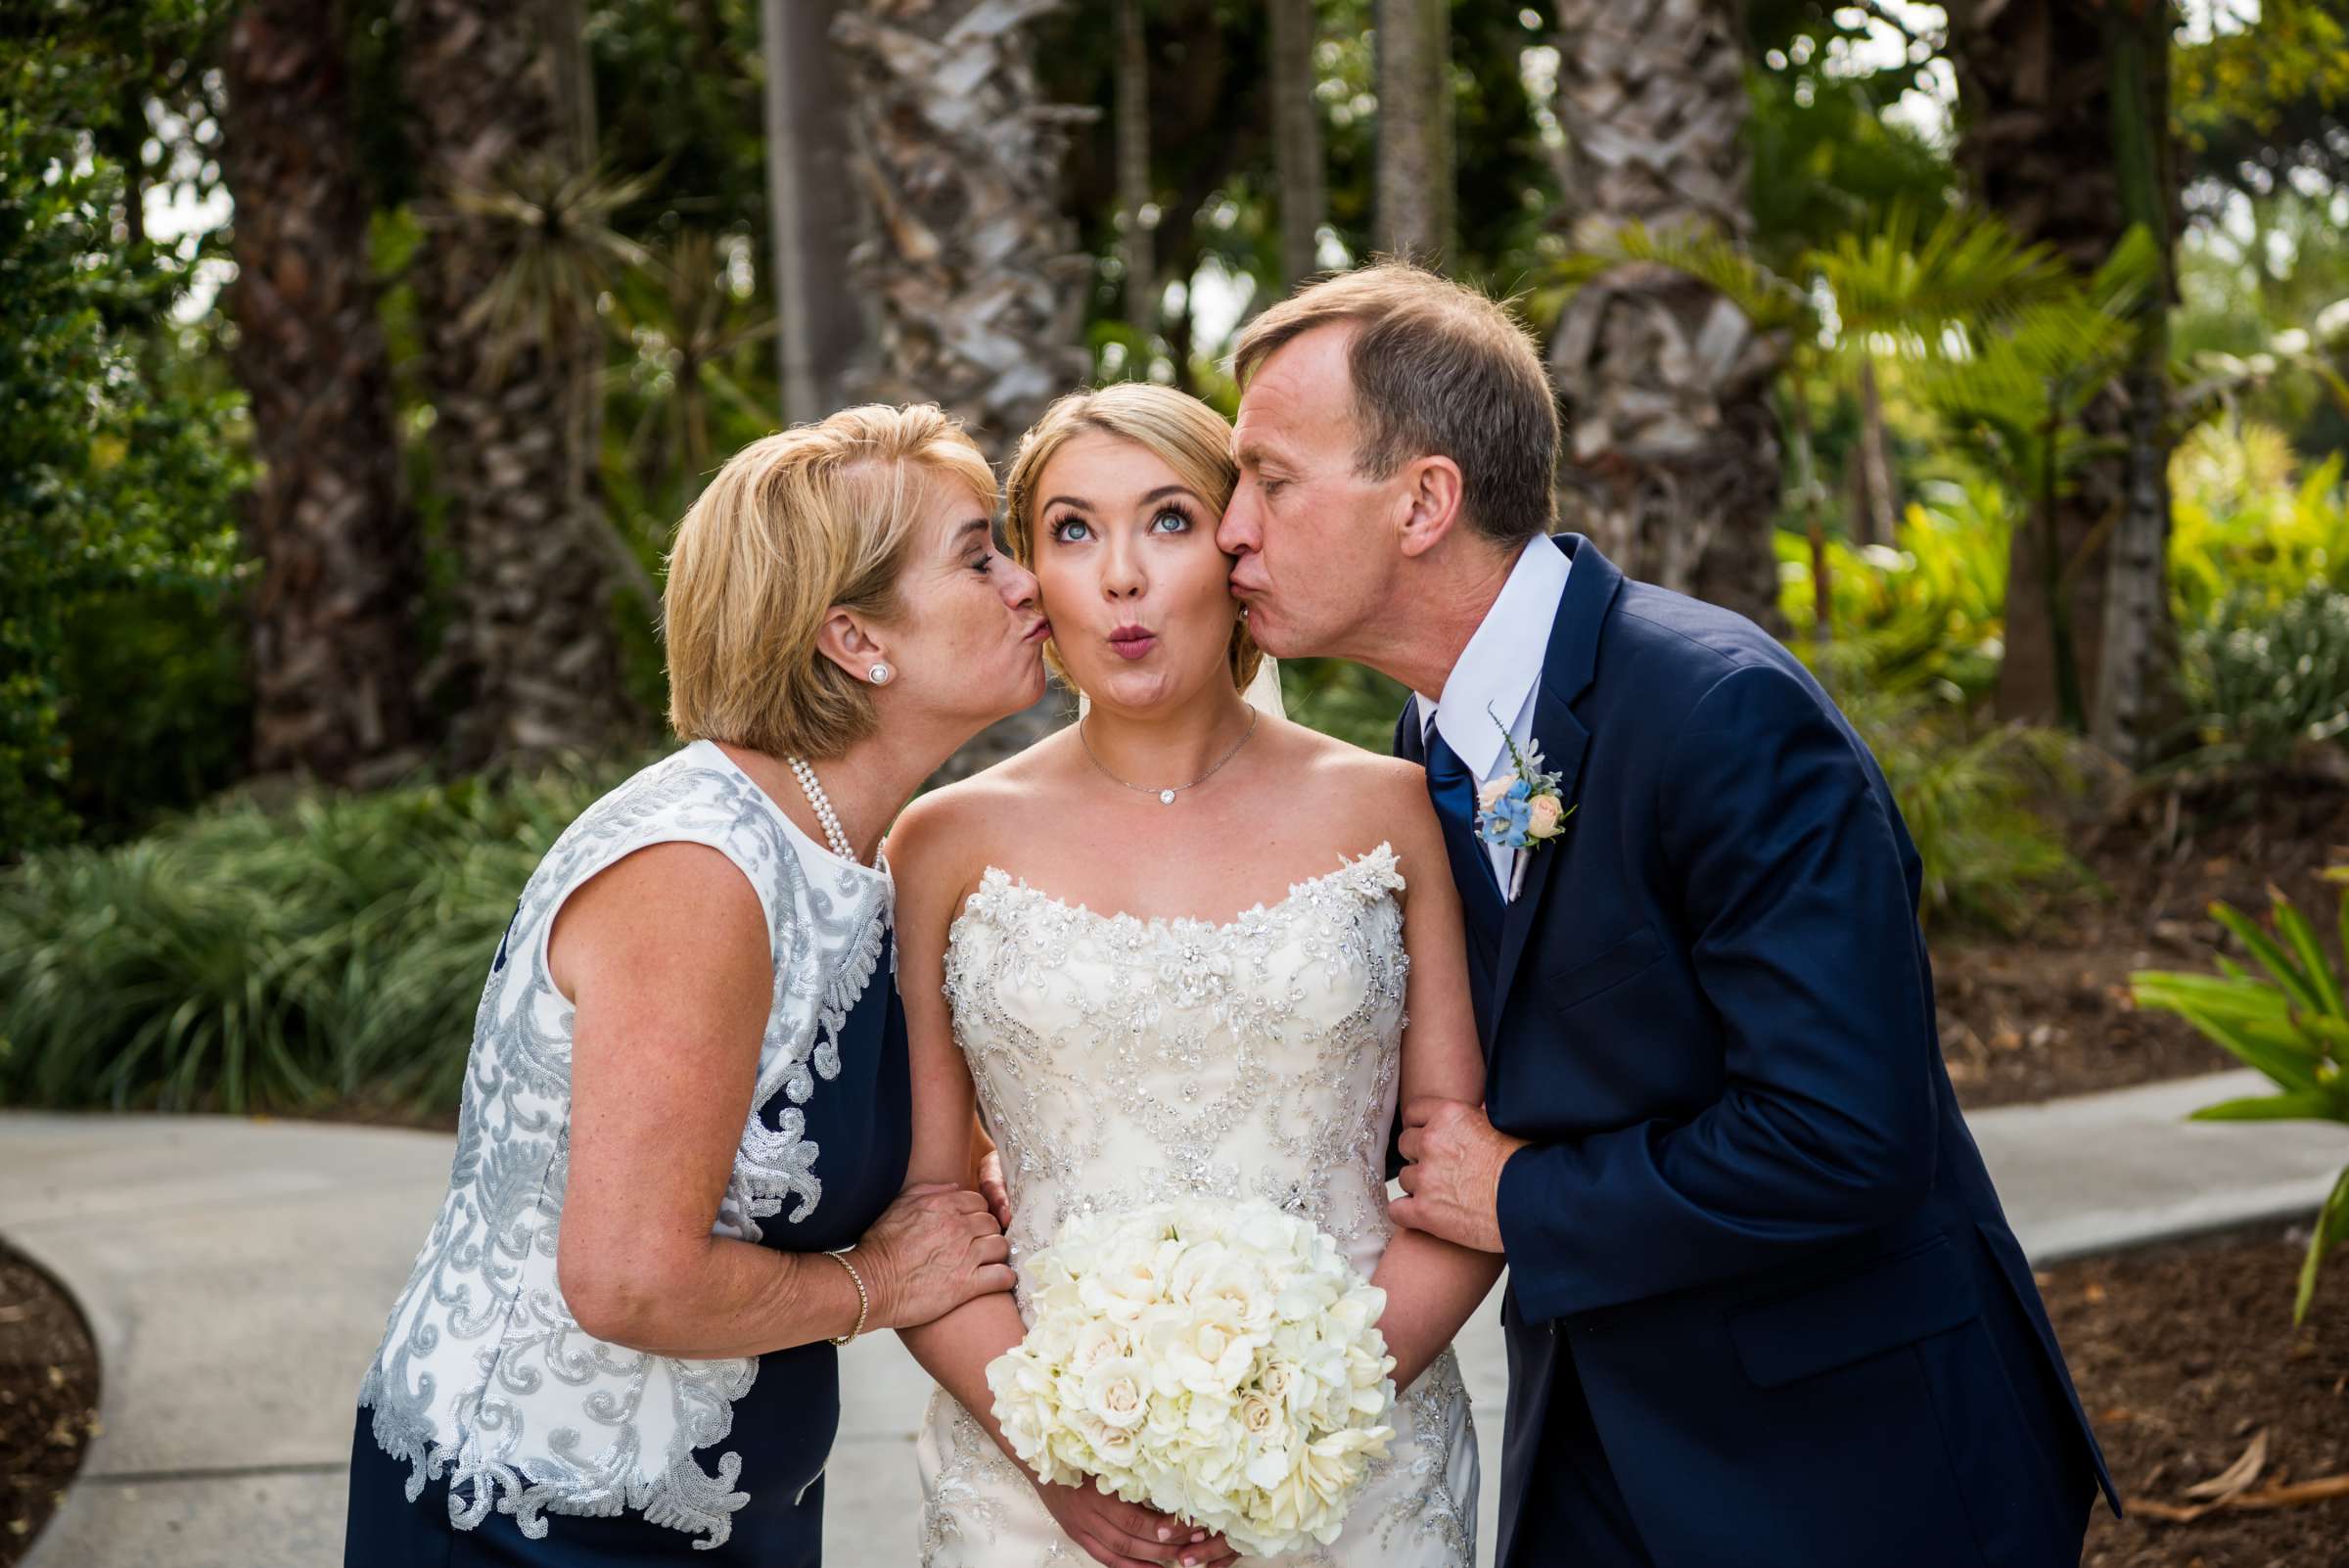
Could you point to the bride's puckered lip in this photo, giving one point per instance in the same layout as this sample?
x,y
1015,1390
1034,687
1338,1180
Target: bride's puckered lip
x,y
1132,642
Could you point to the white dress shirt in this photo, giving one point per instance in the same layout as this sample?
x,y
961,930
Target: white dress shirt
x,y
1497,673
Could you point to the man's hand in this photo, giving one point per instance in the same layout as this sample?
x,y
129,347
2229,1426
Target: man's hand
x,y
992,1189
1453,1177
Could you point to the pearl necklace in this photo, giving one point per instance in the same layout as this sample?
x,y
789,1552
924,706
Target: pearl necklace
x,y
821,804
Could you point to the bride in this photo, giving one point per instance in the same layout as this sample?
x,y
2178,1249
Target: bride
x,y
1182,947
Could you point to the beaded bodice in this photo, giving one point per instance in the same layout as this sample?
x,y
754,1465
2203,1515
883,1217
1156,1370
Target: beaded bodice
x,y
1121,1060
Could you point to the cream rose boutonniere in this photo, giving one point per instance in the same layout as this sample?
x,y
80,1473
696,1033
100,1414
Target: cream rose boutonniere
x,y
1520,808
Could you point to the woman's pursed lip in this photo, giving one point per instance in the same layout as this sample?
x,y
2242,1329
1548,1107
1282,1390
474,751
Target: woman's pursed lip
x,y
1038,632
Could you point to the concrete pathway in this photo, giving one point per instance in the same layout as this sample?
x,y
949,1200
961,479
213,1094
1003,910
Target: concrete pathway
x,y
237,1273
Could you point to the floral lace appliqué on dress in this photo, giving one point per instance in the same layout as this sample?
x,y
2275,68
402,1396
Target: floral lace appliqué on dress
x,y
483,1375
1120,1061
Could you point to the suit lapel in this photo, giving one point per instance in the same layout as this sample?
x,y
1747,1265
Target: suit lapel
x,y
1567,669
1409,744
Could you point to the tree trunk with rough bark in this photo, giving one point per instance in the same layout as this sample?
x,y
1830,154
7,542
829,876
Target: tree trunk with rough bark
x,y
2035,141
969,270
1296,139
973,283
334,642
811,211
532,654
1672,457
2135,699
1413,199
1137,213
1875,520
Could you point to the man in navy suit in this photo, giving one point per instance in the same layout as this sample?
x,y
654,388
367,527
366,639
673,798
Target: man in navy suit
x,y
1763,1308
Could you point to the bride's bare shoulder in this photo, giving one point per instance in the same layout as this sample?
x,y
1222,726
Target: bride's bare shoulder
x,y
950,832
1363,796
1341,765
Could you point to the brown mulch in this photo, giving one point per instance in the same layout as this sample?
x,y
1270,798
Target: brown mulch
x,y
2049,1013
47,1399
2186,1360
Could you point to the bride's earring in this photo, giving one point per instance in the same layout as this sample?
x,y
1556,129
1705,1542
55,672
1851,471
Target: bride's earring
x,y
879,674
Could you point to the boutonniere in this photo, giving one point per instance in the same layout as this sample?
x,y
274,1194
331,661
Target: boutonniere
x,y
1520,807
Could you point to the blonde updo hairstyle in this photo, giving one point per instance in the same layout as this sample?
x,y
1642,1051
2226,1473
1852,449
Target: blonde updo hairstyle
x,y
796,525
1180,430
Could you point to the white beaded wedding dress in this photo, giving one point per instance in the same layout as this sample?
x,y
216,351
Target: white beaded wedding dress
x,y
1120,1061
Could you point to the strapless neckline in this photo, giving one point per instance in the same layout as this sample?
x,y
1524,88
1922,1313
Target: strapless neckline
x,y
1381,861
1121,1060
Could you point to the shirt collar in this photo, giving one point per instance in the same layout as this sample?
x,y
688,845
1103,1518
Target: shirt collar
x,y
1498,668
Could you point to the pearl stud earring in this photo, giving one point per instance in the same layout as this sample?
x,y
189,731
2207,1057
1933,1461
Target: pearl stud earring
x,y
879,674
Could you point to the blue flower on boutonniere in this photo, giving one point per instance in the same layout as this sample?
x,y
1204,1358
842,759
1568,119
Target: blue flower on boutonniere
x,y
1521,808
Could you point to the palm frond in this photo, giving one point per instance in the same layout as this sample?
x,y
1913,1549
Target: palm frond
x,y
1970,269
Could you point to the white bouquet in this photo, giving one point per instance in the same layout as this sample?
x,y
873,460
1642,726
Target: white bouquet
x,y
1217,1362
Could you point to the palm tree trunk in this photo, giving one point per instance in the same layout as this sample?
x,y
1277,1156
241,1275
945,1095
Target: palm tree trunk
x,y
2035,141
969,270
973,285
1876,520
1413,202
531,656
334,645
2136,694
1296,139
1137,214
812,213
1673,457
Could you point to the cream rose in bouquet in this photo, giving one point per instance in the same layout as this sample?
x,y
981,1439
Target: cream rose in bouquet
x,y
1218,1361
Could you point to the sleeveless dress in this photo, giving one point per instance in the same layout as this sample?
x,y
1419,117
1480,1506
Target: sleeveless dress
x,y
1121,1061
494,1430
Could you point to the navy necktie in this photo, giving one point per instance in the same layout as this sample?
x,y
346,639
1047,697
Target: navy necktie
x,y
1452,789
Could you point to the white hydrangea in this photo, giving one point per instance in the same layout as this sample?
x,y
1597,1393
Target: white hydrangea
x,y
1217,1362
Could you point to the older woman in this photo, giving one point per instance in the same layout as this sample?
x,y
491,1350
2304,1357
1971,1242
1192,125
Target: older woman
x,y
688,1110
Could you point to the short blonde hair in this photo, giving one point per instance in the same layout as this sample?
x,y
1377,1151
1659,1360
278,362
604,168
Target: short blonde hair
x,y
796,525
1185,433
1437,368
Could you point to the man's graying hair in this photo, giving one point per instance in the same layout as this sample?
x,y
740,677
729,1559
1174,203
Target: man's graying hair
x,y
1440,369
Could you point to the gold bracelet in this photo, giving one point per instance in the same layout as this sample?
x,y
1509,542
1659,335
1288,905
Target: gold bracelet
x,y
864,1302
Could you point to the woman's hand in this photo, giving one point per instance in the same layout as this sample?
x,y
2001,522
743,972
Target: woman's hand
x,y
1126,1535
933,1249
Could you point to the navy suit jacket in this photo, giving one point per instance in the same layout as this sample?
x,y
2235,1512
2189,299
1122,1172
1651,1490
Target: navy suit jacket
x,y
1752,1230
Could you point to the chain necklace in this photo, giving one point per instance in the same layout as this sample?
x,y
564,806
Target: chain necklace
x,y
1166,797
821,804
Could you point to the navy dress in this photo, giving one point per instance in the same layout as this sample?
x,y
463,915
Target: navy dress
x,y
862,1122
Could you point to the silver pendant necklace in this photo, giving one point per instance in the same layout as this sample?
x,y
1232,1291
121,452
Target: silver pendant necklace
x,y
1166,797
821,804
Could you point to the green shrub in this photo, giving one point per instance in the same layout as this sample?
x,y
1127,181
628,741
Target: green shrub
x,y
1343,699
328,952
2265,679
2244,526
2291,1023
119,462
1973,797
1927,615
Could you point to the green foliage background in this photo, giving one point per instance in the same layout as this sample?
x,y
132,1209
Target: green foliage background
x,y
166,944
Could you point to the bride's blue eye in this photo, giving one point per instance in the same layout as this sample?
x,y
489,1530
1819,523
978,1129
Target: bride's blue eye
x,y
1071,530
1175,514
